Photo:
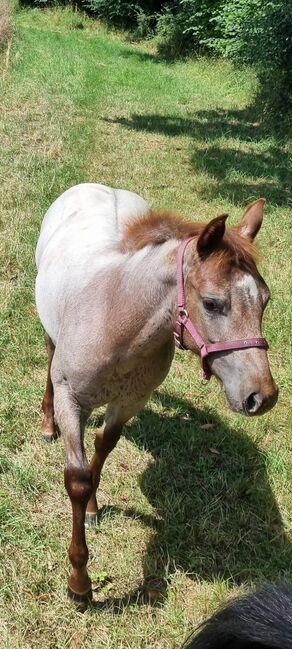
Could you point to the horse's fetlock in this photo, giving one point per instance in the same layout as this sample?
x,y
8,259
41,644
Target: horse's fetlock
x,y
78,556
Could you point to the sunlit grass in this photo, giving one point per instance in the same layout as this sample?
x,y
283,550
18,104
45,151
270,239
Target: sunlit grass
x,y
195,502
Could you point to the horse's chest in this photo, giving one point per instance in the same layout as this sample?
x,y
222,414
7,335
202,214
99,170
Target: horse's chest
x,y
127,382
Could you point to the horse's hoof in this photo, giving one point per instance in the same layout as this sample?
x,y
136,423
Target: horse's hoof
x,y
80,600
49,438
91,520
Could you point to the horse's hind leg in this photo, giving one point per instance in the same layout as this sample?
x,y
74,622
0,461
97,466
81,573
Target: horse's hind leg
x,y
105,440
48,424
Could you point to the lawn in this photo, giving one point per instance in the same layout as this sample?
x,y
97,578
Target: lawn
x,y
195,501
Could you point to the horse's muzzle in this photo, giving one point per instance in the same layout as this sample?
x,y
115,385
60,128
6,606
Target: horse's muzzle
x,y
257,403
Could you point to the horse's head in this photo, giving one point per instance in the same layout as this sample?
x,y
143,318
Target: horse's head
x,y
226,298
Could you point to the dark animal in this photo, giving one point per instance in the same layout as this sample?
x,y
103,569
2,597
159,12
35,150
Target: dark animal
x,y
262,620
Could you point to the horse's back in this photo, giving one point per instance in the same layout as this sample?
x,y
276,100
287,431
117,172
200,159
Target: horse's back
x,y
78,241
88,212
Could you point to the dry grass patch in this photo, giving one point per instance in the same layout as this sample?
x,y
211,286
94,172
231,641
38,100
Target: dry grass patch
x,y
6,27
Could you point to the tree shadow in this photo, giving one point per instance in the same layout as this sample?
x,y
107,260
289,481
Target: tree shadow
x,y
216,513
143,56
243,157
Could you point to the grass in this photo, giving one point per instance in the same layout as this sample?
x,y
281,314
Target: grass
x,y
195,502
6,29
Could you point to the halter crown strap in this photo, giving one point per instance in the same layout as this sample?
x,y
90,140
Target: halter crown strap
x,y
184,322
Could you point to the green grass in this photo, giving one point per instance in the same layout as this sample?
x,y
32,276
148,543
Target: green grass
x,y
195,501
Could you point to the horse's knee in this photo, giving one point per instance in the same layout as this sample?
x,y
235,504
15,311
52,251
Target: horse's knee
x,y
79,484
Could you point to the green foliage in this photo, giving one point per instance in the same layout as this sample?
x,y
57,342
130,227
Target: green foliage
x,y
259,33
115,12
139,15
186,26
171,39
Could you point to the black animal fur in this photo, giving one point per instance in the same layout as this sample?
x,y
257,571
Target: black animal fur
x,y
262,620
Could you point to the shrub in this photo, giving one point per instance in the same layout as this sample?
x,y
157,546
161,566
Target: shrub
x,y
138,15
185,26
258,32
6,28
171,40
115,12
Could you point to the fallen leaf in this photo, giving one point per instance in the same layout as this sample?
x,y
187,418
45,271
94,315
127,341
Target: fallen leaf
x,y
207,426
155,596
43,598
124,466
214,451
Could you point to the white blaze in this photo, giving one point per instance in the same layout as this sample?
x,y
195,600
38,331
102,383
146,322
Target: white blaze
x,y
248,284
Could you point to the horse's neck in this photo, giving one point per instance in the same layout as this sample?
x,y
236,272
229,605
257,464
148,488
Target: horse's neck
x,y
150,293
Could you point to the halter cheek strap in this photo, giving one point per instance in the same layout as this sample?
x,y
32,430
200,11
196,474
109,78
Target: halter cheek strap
x,y
183,322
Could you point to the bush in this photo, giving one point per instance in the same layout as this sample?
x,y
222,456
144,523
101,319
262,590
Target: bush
x,y
6,29
139,15
185,26
171,40
115,12
258,32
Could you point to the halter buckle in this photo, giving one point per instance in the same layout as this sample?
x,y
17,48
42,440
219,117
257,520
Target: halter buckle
x,y
183,313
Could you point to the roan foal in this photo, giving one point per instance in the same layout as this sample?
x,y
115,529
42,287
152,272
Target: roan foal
x,y
109,269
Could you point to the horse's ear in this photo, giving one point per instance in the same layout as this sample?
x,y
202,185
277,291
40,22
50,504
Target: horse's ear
x,y
211,236
252,219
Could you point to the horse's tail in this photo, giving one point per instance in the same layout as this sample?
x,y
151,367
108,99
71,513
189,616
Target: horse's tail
x,y
262,620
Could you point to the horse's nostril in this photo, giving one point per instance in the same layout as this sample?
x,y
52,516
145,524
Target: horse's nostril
x,y
252,403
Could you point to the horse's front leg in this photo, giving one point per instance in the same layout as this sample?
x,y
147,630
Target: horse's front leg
x,y
105,441
79,485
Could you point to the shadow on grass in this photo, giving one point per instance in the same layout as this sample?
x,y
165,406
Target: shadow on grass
x,y
217,515
143,56
241,155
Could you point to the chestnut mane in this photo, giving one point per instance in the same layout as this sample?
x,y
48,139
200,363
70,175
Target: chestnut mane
x,y
160,226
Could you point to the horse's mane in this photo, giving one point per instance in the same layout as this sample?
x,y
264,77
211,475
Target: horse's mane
x,y
159,226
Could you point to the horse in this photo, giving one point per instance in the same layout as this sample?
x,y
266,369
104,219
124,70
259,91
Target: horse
x,y
260,620
116,280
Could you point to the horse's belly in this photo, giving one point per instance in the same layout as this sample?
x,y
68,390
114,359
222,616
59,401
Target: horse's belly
x,y
127,383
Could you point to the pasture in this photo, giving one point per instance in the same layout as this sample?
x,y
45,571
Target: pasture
x,y
195,502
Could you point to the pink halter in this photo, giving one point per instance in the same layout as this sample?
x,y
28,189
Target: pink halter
x,y
184,322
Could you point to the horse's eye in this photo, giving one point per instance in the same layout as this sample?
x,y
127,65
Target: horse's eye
x,y
211,306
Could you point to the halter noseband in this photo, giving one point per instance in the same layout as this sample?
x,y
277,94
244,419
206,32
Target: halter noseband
x,y
184,322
